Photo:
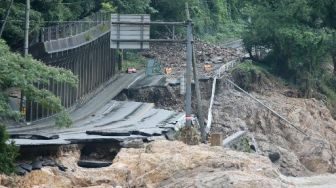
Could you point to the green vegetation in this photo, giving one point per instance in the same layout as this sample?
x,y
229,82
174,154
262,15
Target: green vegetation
x,y
251,77
8,153
133,60
296,39
24,73
242,145
214,21
87,36
41,11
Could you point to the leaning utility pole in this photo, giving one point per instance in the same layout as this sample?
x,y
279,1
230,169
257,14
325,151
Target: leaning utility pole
x,y
6,17
189,68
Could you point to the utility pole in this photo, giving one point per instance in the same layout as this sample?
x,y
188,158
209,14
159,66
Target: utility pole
x,y
26,32
5,21
26,46
189,68
198,97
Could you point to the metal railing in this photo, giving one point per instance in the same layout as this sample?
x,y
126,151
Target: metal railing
x,y
93,61
64,29
226,67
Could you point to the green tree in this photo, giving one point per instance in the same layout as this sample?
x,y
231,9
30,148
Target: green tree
x,y
41,11
24,74
288,29
8,152
132,6
326,15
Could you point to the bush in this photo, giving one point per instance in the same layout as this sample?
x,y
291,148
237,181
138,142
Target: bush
x,y
251,77
8,152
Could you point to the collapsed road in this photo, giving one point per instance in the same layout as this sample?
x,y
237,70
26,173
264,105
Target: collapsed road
x,y
102,119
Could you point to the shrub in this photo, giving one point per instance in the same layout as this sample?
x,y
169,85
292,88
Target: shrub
x,y
8,152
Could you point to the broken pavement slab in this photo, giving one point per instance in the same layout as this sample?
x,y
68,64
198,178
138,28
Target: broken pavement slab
x,y
33,136
109,133
29,142
93,163
117,121
37,165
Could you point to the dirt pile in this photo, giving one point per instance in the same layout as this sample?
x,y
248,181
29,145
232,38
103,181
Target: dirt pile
x,y
300,154
161,164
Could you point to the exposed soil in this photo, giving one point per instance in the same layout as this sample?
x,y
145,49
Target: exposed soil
x,y
300,155
160,164
168,164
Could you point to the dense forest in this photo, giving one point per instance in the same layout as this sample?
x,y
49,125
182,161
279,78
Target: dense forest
x,y
296,40
212,18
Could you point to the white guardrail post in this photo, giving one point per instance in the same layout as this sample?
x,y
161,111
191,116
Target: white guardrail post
x,y
218,75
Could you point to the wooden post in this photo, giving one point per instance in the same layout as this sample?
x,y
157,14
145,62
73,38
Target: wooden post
x,y
216,139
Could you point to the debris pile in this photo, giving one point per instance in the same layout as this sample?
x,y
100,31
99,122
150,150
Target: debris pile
x,y
294,153
173,56
160,164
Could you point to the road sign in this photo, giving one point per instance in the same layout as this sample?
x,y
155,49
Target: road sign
x,y
129,31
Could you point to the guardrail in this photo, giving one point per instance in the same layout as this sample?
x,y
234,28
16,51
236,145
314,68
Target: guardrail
x,y
226,67
66,29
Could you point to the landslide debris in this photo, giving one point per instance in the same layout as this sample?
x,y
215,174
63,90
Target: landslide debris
x,y
233,111
174,56
300,155
161,164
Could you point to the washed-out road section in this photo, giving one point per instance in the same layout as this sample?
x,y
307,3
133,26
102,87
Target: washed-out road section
x,y
103,119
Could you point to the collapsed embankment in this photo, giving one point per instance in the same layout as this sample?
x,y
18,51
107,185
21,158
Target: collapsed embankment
x,y
160,164
313,153
300,154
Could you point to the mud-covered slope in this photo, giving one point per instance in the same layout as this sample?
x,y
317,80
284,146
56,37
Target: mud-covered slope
x,y
300,154
161,164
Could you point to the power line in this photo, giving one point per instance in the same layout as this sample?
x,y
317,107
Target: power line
x,y
70,21
267,107
70,3
78,2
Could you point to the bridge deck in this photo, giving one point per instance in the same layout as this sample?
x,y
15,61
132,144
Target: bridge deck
x,y
104,116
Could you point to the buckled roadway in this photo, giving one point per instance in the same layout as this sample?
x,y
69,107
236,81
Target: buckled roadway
x,y
104,119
